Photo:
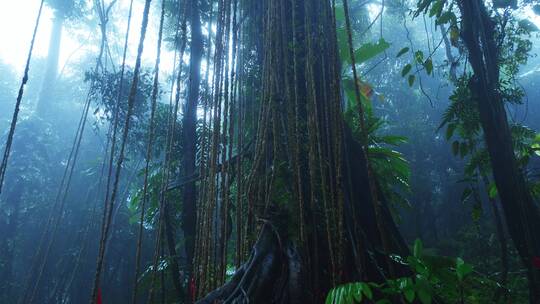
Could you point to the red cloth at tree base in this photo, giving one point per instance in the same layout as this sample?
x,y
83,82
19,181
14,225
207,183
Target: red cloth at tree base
x,y
536,262
99,300
192,288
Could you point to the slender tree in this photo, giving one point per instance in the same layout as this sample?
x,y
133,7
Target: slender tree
x,y
63,10
522,215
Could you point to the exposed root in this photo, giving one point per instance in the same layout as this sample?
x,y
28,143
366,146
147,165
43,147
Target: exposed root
x,y
271,275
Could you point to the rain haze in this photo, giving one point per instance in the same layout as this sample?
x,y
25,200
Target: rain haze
x,y
269,151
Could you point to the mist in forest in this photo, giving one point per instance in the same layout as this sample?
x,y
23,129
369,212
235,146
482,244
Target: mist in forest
x,y
269,151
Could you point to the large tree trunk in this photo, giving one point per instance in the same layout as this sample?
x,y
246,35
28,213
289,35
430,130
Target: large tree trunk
x,y
522,216
328,229
189,213
51,70
276,272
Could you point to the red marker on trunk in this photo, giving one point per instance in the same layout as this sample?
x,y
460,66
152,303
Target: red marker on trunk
x,y
192,288
536,262
99,300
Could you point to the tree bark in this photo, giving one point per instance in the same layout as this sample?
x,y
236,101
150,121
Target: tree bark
x,y
173,256
308,185
521,212
276,272
452,63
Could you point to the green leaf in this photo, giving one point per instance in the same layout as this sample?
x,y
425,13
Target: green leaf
x,y
535,190
428,64
422,6
393,140
454,36
340,13
357,292
343,45
370,50
330,297
402,52
340,298
462,269
419,56
411,80
345,296
493,193
536,149
417,265
536,143
406,69
436,8
445,18
367,291
424,296
409,295
418,247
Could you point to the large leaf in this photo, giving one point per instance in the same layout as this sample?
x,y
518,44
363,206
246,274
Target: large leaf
x,y
462,269
424,296
436,8
369,50
445,18
393,140
536,145
343,45
366,290
406,69
411,80
493,191
428,64
402,51
340,13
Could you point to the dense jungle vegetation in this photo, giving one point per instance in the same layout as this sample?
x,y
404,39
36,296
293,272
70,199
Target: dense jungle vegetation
x,y
269,151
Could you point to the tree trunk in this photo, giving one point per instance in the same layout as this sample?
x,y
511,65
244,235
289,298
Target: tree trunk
x,y
51,70
276,272
452,63
521,212
173,256
189,213
308,193
504,253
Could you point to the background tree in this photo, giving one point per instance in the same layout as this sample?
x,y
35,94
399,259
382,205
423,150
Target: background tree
x,y
483,43
63,10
